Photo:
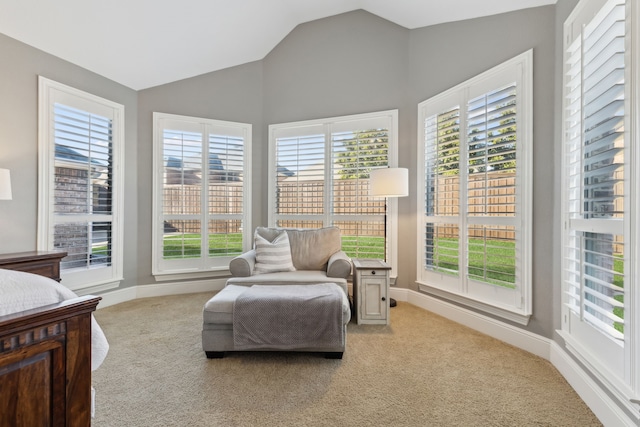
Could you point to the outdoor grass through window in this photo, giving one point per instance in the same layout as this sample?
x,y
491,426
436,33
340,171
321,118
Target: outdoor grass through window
x,y
188,245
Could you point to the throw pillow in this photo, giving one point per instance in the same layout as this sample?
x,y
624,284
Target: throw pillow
x,y
273,256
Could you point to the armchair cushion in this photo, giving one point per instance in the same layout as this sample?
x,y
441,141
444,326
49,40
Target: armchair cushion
x,y
312,248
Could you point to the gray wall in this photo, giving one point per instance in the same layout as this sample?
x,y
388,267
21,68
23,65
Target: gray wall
x,y
233,94
346,64
444,55
19,70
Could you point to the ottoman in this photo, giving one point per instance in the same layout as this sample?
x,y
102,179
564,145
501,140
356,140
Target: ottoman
x,y
275,314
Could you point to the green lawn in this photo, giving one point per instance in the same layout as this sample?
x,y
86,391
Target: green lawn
x,y
618,280
188,245
493,263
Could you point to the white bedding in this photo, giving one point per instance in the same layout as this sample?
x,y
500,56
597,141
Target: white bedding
x,y
21,291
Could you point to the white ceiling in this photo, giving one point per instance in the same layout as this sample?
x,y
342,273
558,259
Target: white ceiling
x,y
145,43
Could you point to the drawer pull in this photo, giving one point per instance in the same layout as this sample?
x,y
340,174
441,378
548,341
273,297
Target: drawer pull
x,y
373,272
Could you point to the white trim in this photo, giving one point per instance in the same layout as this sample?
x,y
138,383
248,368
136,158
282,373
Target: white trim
x,y
596,398
513,335
505,313
159,290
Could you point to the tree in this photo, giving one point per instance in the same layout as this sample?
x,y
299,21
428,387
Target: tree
x,y
364,150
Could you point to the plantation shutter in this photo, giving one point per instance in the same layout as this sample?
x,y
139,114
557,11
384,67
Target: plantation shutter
x,y
320,177
226,193
475,176
202,191
491,186
442,200
594,273
182,192
83,188
359,216
300,177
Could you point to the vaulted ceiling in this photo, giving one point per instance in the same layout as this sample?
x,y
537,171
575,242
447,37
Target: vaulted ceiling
x,y
145,43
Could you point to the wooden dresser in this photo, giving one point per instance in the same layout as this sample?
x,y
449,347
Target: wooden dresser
x,y
44,263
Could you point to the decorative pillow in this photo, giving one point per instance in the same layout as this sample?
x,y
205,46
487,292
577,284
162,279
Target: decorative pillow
x,y
273,256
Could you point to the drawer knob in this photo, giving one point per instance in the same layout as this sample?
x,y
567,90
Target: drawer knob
x,y
373,272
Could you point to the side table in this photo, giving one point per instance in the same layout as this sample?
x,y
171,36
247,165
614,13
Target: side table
x,y
371,291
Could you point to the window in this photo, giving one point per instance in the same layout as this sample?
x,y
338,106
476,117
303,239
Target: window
x,y
319,177
599,282
201,193
81,140
475,190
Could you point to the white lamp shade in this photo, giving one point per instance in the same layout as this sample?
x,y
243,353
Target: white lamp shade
x,y
5,184
389,182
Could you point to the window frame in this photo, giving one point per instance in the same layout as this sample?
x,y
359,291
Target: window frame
x,y
511,304
49,93
327,126
201,266
613,363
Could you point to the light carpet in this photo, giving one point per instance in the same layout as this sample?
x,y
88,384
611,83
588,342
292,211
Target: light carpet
x,y
421,370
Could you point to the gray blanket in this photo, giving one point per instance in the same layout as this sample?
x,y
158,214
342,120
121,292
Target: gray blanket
x,y
288,317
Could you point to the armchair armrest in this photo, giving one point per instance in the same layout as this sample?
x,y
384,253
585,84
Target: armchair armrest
x,y
339,265
242,265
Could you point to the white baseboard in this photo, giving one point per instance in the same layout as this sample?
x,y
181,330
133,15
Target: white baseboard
x,y
596,397
515,336
159,290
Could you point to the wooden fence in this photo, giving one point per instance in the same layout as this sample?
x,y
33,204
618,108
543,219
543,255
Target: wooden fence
x,y
493,196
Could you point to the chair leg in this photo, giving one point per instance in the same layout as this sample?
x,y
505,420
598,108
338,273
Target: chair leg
x,y
333,355
214,354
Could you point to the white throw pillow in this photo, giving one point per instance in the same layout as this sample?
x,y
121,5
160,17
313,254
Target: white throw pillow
x,y
273,256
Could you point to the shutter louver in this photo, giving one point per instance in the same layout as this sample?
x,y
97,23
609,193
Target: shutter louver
x,y
226,180
182,153
359,216
442,192
83,193
300,176
595,150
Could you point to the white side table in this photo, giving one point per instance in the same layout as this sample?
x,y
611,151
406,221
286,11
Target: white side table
x,y
371,291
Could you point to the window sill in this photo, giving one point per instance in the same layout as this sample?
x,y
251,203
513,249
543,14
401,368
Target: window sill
x,y
513,316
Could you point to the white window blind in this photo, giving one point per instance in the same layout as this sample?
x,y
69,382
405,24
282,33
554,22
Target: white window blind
x,y
319,176
600,201
475,175
359,216
442,191
80,146
202,193
83,187
595,158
